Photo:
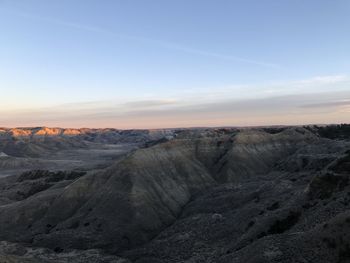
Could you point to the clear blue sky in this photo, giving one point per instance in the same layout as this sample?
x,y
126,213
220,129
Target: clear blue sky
x,y
107,60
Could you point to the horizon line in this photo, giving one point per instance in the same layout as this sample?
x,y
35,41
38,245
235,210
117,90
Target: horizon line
x,y
185,128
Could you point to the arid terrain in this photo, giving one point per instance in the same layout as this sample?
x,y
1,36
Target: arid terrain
x,y
267,194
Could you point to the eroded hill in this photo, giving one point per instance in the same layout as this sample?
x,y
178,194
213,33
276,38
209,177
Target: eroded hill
x,y
204,195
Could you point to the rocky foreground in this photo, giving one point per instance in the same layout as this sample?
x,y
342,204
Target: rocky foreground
x,y
201,195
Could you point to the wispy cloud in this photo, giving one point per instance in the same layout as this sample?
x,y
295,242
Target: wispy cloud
x,y
310,85
328,104
322,99
328,107
159,43
323,80
144,104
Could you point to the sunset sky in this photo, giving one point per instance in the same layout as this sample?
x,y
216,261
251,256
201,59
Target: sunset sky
x,y
183,63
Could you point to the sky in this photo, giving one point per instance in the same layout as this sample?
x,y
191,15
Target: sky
x,y
183,63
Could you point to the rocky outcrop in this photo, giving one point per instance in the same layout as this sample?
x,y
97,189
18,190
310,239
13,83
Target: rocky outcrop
x,y
17,253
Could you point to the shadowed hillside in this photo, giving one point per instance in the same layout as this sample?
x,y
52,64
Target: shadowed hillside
x,y
341,131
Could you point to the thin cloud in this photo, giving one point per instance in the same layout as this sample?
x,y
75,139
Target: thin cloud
x,y
149,103
324,80
264,111
160,43
201,108
328,104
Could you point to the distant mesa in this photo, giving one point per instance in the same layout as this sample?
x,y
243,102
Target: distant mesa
x,y
42,131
